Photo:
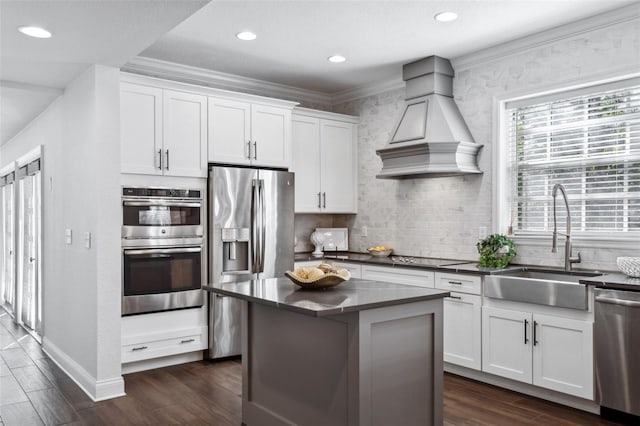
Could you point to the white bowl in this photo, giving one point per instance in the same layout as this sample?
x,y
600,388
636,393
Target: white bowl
x,y
629,266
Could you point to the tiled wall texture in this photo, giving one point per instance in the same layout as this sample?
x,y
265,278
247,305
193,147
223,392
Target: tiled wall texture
x,y
440,217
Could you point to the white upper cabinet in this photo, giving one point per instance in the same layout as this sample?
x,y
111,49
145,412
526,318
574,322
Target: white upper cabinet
x,y
140,129
184,134
249,133
325,162
162,132
229,131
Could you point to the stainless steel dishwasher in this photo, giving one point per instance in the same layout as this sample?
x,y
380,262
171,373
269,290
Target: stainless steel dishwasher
x,y
617,346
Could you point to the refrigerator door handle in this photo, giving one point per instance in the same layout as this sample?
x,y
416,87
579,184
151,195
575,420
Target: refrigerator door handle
x,y
263,225
254,227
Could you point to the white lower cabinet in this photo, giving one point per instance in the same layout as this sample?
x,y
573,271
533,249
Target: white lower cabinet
x,y
396,275
548,351
462,330
462,318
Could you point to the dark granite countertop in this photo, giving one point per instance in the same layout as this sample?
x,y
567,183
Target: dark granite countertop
x,y
614,281
436,264
350,296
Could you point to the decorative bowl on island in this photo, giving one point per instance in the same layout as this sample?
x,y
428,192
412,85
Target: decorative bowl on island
x,y
320,277
630,266
380,251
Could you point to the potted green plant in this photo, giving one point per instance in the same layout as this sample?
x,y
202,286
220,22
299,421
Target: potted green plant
x,y
496,251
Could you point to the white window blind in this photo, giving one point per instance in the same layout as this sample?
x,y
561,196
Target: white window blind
x,y
588,140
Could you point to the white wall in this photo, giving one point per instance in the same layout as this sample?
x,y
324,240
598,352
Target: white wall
x,y
81,313
440,217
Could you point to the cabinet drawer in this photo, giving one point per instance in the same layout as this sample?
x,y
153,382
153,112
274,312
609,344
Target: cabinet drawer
x,y
354,269
461,283
398,275
164,347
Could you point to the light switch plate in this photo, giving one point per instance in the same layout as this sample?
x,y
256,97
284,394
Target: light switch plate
x,y
67,236
87,240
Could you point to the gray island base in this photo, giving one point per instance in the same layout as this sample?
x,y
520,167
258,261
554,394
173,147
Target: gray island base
x,y
361,353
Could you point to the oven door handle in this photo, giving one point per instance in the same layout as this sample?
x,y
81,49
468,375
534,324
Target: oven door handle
x,y
622,302
159,204
163,251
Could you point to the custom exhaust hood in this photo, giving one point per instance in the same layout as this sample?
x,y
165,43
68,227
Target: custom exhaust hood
x,y
431,138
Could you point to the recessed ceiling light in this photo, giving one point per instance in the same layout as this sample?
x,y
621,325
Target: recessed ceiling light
x,y
34,31
446,16
336,59
246,36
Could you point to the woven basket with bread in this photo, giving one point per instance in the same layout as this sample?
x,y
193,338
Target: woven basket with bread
x,y
321,276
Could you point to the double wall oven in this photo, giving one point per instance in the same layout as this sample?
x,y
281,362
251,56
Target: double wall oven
x,y
162,249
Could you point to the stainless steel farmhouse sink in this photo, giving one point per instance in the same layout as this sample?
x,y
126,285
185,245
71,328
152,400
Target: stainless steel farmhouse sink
x,y
540,287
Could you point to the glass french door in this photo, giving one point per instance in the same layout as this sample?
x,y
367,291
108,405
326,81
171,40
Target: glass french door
x,y
7,285
30,227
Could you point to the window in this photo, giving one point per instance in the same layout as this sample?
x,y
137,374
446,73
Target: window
x,y
588,140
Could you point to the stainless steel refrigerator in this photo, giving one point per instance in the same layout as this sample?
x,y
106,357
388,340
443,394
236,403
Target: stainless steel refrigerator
x,y
251,236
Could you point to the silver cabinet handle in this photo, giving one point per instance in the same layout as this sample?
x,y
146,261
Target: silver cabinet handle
x,y
319,201
160,159
249,150
455,283
187,340
324,200
166,166
139,348
255,150
31,259
621,302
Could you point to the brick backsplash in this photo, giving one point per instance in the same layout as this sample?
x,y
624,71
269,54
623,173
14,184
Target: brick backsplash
x,y
440,217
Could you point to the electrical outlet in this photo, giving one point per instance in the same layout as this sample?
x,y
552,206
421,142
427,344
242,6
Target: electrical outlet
x,y
482,232
364,231
87,240
67,236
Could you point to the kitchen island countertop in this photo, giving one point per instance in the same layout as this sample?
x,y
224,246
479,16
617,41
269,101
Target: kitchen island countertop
x,y
350,296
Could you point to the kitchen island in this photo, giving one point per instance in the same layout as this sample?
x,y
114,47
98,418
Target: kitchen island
x,y
361,353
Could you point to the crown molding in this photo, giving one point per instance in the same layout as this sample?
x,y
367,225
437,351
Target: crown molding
x,y
550,36
368,90
204,77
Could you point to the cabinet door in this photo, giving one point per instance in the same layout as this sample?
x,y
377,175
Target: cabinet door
x,y
184,134
338,167
394,275
506,343
140,129
229,131
271,136
563,355
462,330
306,163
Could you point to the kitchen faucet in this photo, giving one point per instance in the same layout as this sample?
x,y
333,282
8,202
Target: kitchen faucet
x,y
568,259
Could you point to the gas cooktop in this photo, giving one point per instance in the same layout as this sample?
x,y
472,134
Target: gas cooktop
x,y
424,261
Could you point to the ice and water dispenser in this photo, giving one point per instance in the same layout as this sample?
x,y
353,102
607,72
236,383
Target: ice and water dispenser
x,y
235,249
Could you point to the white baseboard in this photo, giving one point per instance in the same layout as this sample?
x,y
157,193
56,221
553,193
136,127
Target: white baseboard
x,y
527,389
165,361
97,390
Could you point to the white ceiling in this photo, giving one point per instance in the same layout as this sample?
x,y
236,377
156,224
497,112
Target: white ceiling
x,y
33,72
294,39
377,37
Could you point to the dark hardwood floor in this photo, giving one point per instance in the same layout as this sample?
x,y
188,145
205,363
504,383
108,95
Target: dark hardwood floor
x,y
34,391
